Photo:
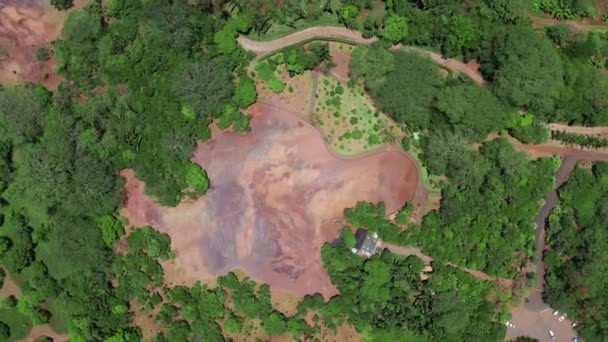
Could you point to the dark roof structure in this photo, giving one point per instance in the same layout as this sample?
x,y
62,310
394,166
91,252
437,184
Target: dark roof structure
x,y
367,244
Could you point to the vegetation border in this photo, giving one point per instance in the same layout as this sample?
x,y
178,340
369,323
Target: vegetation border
x,y
306,41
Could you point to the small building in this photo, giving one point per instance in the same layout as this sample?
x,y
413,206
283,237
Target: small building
x,y
367,244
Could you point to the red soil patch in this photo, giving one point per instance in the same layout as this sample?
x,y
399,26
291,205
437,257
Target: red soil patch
x,y
25,26
340,55
299,100
45,330
9,288
556,148
271,190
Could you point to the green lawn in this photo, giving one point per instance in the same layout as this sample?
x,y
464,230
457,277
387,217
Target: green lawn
x,y
20,324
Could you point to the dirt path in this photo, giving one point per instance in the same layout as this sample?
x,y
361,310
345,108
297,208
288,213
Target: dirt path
x,y
576,25
596,130
470,69
535,318
415,251
263,48
555,148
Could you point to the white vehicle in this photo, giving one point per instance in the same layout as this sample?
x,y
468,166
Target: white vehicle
x,y
555,313
552,334
574,324
509,324
561,318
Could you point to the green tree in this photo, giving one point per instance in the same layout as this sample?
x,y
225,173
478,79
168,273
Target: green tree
x,y
42,54
21,111
395,29
21,251
471,110
206,86
348,15
463,37
274,324
349,237
524,77
245,94
196,178
62,4
5,331
111,229
276,85
234,324
373,64
407,93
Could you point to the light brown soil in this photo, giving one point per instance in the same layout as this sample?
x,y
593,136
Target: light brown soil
x,y
598,130
263,48
271,190
298,101
582,25
25,26
471,69
9,288
149,327
340,54
45,330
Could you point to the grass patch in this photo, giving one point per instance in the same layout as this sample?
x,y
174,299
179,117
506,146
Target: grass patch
x,y
360,128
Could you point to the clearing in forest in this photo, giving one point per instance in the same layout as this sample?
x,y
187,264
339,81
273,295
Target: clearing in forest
x,y
271,190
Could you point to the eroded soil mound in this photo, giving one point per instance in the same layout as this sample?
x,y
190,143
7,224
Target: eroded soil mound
x,y
271,191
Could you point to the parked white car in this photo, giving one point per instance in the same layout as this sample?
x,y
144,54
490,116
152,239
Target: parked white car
x,y
552,334
555,313
561,318
574,324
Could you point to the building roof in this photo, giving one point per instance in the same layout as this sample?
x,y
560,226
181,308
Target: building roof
x,y
366,243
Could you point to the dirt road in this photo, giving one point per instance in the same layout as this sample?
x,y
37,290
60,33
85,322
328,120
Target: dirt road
x,y
263,48
597,130
575,25
535,317
415,251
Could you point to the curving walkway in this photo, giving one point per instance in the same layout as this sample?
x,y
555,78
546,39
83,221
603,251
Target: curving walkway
x,y
261,49
594,130
576,25
415,251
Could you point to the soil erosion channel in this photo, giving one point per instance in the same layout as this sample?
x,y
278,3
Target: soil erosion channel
x,y
271,190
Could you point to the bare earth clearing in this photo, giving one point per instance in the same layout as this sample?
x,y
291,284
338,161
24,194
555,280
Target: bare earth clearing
x,y
25,26
271,191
